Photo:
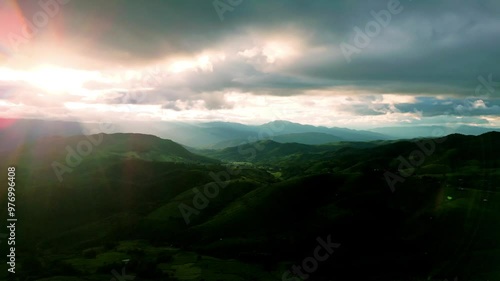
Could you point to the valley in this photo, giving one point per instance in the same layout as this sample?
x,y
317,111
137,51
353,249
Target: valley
x,y
157,211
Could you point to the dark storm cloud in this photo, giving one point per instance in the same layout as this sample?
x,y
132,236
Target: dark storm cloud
x,y
429,48
444,42
457,107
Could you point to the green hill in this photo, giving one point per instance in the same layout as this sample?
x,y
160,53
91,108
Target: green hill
x,y
123,201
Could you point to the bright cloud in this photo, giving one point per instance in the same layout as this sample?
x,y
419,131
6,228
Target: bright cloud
x,y
180,62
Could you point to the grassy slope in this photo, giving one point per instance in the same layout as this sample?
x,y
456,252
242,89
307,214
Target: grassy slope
x,y
438,225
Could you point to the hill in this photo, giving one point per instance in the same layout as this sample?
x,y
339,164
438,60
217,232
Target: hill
x,y
307,138
261,217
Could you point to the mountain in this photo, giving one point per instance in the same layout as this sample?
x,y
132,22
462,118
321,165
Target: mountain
x,y
217,135
310,138
69,151
190,216
233,134
276,152
285,127
225,134
263,151
307,138
455,153
16,131
201,135
431,131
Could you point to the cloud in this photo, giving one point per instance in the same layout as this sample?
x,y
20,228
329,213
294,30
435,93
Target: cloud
x,y
432,53
428,106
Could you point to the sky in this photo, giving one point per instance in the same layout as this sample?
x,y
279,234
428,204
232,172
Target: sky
x,y
357,64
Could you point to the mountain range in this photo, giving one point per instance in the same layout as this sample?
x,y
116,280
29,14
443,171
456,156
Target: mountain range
x,y
217,135
251,211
